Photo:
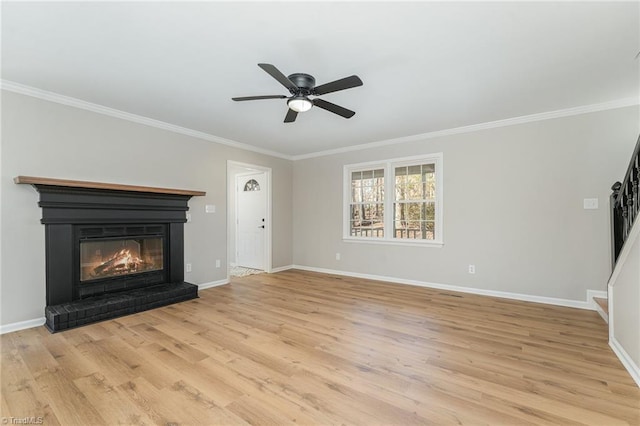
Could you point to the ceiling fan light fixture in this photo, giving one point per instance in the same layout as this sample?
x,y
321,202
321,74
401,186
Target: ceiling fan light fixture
x,y
300,104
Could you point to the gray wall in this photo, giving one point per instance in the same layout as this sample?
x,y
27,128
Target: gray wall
x,y
513,206
41,138
625,304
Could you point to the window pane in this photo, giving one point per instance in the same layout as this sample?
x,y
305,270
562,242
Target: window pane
x,y
398,229
372,226
399,212
414,220
373,194
430,189
428,168
415,182
401,176
368,194
367,213
367,186
414,191
414,170
373,212
430,211
413,211
431,233
356,195
356,214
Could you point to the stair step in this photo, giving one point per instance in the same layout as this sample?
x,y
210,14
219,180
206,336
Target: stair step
x,y
603,303
602,308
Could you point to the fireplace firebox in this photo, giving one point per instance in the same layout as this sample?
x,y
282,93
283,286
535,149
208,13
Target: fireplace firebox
x,y
107,258
114,258
111,250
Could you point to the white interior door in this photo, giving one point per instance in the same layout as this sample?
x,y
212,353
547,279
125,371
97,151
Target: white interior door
x,y
251,215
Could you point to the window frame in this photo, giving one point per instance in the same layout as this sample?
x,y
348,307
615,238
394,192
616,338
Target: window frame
x,y
389,167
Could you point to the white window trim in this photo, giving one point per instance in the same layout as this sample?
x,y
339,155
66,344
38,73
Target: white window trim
x,y
388,166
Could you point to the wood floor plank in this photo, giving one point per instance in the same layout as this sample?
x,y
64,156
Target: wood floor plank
x,y
113,404
21,395
69,404
307,348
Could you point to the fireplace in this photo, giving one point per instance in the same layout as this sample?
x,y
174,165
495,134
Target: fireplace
x,y
111,250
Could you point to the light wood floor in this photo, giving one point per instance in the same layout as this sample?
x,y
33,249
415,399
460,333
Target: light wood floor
x,y
306,348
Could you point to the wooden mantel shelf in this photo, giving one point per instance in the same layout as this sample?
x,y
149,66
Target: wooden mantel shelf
x,y
30,180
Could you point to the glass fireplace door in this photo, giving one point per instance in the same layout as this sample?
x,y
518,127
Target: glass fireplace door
x,y
107,258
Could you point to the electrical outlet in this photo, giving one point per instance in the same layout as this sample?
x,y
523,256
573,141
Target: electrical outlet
x,y
217,263
338,256
188,217
210,208
472,269
188,267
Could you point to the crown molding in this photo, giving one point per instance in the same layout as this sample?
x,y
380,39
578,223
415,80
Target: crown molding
x,y
112,112
100,109
619,103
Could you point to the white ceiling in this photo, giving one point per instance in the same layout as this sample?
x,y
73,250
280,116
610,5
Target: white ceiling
x,y
426,66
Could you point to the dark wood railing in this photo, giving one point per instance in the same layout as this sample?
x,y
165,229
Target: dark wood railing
x,y
625,204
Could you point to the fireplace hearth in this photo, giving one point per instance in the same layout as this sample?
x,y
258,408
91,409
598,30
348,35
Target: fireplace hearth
x,y
111,250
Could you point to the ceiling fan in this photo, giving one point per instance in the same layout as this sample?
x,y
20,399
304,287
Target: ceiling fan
x,y
301,86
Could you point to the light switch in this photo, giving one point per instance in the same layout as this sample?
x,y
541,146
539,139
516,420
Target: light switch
x,y
210,208
590,203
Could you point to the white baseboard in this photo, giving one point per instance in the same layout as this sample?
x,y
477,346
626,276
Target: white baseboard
x,y
494,293
21,325
204,286
281,268
625,359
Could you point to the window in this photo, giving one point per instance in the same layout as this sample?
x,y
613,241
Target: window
x,y
396,201
251,185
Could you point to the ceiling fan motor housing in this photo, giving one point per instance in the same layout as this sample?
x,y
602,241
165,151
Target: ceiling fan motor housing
x,y
305,82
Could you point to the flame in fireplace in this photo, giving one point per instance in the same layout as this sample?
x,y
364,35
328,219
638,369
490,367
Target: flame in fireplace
x,y
122,262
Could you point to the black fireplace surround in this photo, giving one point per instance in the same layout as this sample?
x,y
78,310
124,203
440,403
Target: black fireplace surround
x,y
111,252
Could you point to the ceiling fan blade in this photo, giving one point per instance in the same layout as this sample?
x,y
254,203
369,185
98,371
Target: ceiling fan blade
x,y
342,84
275,73
291,116
336,109
255,98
